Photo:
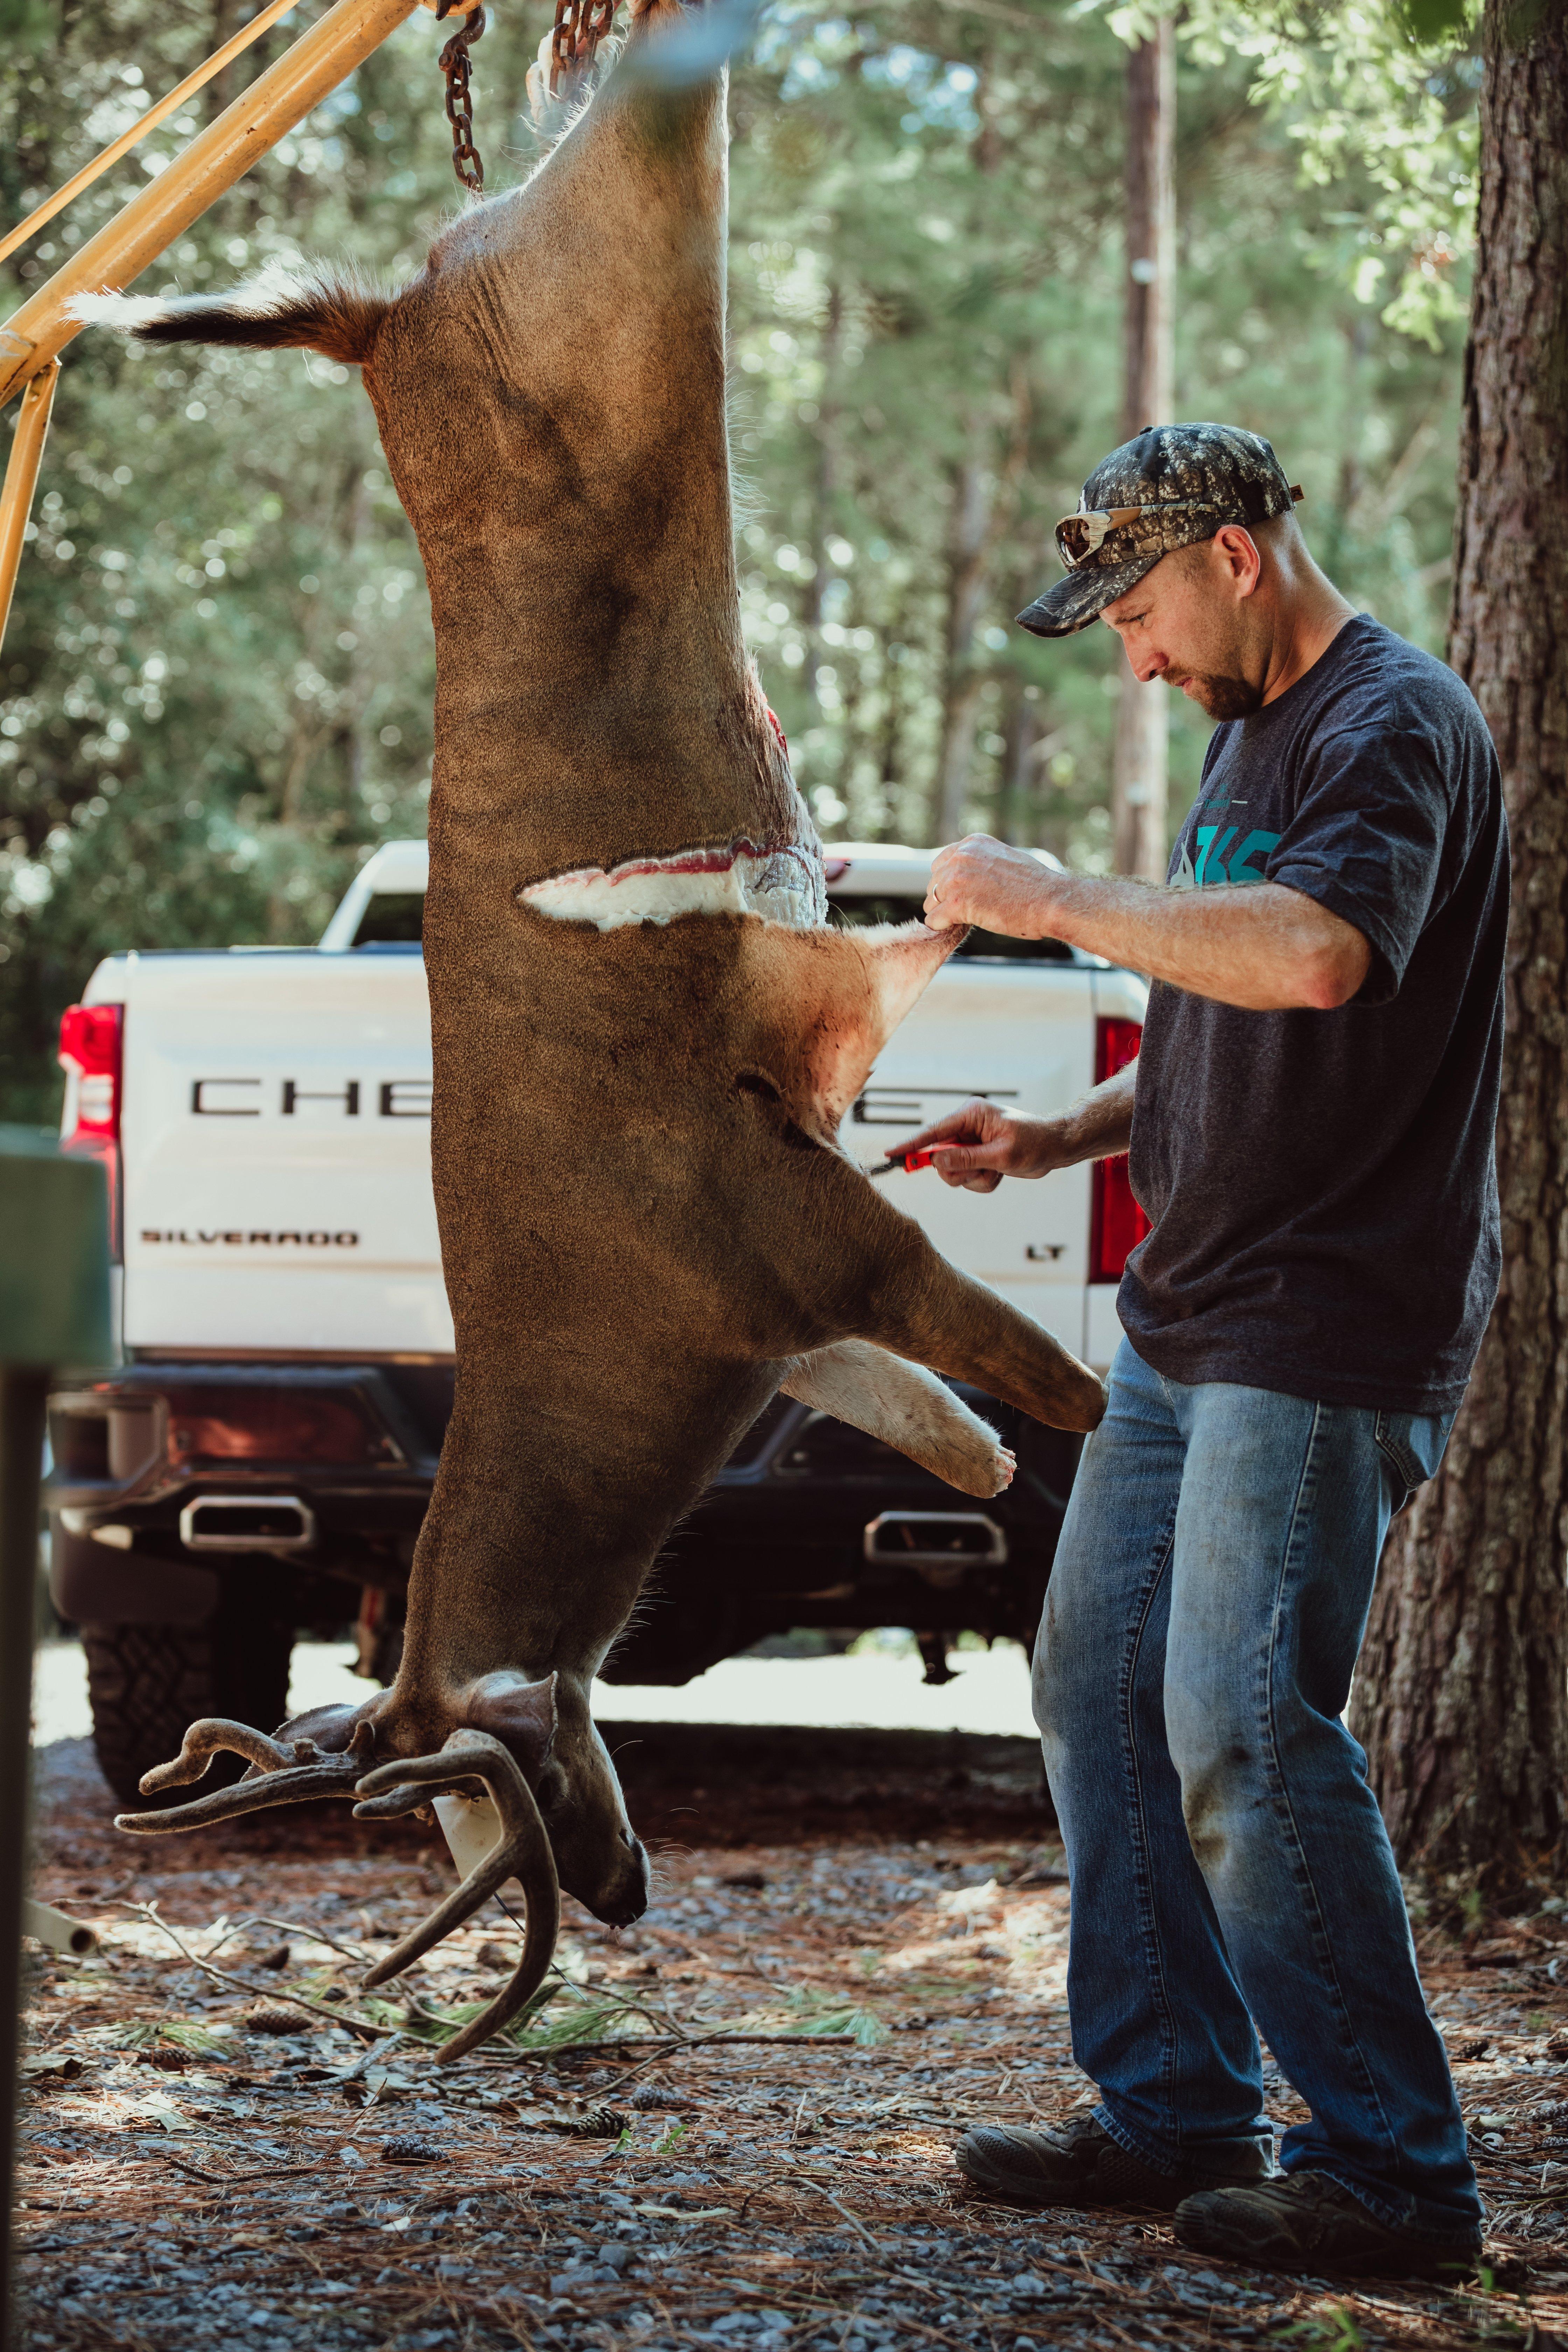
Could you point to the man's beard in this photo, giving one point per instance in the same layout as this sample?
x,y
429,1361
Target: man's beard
x,y
1222,697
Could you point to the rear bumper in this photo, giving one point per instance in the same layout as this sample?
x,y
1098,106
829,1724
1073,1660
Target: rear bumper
x,y
172,1476
193,1468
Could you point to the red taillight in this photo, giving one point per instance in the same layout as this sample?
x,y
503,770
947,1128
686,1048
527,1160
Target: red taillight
x,y
90,1050
1117,1224
269,1425
91,1038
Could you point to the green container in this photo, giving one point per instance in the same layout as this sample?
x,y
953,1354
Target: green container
x,y
54,1254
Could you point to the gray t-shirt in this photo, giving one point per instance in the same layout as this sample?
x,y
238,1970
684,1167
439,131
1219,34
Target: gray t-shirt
x,y
1322,1185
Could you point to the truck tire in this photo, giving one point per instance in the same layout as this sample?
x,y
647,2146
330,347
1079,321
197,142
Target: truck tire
x,y
147,1682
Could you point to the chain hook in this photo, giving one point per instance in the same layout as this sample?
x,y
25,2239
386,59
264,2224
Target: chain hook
x,y
466,161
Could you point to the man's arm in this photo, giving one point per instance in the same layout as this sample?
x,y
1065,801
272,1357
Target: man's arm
x,y
976,1146
1263,948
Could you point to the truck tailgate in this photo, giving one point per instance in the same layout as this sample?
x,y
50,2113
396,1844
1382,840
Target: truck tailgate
x,y
277,1146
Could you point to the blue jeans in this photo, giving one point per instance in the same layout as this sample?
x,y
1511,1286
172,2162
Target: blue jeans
x,y
1228,1862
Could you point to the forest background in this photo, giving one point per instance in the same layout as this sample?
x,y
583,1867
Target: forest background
x,y
216,692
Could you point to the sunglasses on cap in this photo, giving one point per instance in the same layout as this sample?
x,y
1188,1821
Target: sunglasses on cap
x,y
1081,535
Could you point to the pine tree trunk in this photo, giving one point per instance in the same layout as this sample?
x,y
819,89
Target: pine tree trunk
x,y
1461,1699
984,506
823,488
1139,772
969,548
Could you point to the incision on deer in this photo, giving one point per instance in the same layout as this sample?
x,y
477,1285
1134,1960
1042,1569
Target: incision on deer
x,y
783,883
644,1031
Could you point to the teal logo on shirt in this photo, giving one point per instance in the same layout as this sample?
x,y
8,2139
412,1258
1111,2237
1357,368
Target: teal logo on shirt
x,y
1225,855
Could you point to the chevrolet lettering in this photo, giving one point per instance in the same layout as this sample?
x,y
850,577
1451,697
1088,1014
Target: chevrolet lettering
x,y
252,1098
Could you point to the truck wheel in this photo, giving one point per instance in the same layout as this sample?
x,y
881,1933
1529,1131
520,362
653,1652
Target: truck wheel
x,y
379,1635
147,1682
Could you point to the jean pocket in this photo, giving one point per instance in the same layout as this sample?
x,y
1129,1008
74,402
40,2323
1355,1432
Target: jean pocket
x,y
1412,1445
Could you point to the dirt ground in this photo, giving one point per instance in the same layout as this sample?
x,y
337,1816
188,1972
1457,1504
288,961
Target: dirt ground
x,y
219,2149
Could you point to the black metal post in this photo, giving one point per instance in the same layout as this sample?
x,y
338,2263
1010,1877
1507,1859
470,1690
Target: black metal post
x,y
23,1391
54,1311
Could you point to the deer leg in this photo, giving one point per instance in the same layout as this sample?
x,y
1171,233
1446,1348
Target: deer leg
x,y
906,1406
937,1316
867,1272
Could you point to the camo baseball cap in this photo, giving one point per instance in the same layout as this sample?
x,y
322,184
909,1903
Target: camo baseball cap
x,y
1171,487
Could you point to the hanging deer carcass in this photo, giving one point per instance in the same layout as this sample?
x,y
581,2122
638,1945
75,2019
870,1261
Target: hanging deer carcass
x,y
645,1031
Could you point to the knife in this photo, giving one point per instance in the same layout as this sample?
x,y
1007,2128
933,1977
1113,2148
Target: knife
x,y
909,1163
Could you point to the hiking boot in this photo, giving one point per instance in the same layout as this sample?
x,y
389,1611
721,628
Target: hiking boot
x,y
1307,2222
1075,2163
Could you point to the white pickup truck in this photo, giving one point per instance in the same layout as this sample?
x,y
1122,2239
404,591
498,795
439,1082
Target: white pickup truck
x,y
262,1457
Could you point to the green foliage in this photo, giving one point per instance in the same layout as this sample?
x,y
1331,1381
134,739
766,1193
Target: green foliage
x,y
563,2016
149,2033
1329,2329
817,2013
216,692
25,26
577,2018
1427,21
1378,97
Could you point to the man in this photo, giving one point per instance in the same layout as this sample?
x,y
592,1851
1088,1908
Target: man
x,y
1311,1127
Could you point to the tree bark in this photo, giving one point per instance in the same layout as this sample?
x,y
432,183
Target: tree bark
x,y
220,89
891,824
823,488
983,511
1140,774
1461,1700
968,548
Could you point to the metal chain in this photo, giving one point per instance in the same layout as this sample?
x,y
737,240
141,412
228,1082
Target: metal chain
x,y
580,27
466,161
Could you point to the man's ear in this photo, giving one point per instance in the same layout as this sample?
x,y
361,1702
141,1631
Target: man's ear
x,y
1238,554
338,316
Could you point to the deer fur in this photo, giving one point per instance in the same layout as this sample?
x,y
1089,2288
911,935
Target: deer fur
x,y
648,1224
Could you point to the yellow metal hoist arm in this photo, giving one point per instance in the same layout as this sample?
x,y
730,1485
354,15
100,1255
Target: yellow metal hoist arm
x,y
274,102
32,337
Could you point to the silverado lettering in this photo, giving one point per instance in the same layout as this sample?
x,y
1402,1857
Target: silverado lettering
x,y
245,1240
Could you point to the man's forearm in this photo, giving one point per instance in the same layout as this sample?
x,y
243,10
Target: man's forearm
x,y
1262,947
1098,1127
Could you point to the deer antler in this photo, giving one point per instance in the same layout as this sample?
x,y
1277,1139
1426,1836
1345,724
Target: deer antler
x,y
210,1737
292,1775
523,1853
297,1771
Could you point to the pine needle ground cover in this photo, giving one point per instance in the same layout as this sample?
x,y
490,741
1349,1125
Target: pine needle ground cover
x,y
730,2125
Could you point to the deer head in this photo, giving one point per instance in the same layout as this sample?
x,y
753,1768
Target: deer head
x,y
336,1759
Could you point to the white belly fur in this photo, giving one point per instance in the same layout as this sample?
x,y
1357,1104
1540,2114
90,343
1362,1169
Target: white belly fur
x,y
471,1827
906,1406
784,885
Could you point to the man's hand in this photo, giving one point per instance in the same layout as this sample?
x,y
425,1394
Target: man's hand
x,y
974,1147
978,880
